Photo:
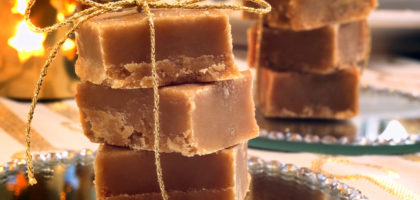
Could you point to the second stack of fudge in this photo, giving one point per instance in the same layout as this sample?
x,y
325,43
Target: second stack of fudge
x,y
206,107
308,56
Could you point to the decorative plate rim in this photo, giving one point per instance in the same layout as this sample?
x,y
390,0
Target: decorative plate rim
x,y
344,140
44,164
303,175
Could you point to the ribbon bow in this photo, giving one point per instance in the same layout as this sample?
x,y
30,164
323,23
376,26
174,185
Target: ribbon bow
x,y
96,9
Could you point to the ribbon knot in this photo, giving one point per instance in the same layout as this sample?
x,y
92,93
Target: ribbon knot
x,y
96,9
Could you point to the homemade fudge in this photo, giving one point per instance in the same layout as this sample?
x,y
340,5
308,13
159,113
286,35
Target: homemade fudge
x,y
194,118
253,34
321,50
122,173
191,46
304,127
300,15
304,95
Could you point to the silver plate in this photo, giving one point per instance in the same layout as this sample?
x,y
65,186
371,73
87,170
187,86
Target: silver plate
x,y
387,118
69,175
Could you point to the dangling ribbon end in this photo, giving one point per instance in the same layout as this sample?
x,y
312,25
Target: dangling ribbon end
x,y
32,181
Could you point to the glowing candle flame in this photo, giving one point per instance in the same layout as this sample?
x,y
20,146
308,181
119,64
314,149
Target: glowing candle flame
x,y
26,42
19,7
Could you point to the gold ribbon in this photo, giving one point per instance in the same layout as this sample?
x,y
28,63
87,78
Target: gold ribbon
x,y
97,9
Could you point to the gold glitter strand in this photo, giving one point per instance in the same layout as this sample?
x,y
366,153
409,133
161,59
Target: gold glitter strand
x,y
38,86
156,109
97,9
34,102
386,183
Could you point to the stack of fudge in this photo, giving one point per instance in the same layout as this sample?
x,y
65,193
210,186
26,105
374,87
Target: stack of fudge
x,y
308,55
206,106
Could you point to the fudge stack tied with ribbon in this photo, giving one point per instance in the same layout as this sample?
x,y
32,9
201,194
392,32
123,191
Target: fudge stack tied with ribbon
x,y
206,113
308,56
160,91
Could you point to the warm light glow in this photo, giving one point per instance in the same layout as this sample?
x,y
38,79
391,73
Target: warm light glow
x,y
65,7
26,42
70,8
69,49
69,45
19,7
60,17
18,185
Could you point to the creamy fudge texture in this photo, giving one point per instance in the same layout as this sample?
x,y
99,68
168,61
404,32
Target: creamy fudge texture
x,y
191,46
304,127
288,94
321,50
253,43
122,173
194,118
301,15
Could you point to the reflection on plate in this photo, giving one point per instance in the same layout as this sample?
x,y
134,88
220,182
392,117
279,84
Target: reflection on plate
x,y
387,118
69,175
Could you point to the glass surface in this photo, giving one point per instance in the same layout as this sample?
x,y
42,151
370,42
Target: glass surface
x,y
69,175
389,123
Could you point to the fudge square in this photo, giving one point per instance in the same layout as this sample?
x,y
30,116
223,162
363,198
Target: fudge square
x,y
122,173
194,118
301,15
286,94
314,127
321,50
191,46
253,45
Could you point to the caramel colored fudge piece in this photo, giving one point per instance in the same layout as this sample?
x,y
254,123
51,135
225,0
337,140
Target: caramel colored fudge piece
x,y
122,173
253,34
191,46
304,127
301,15
194,118
317,51
305,95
